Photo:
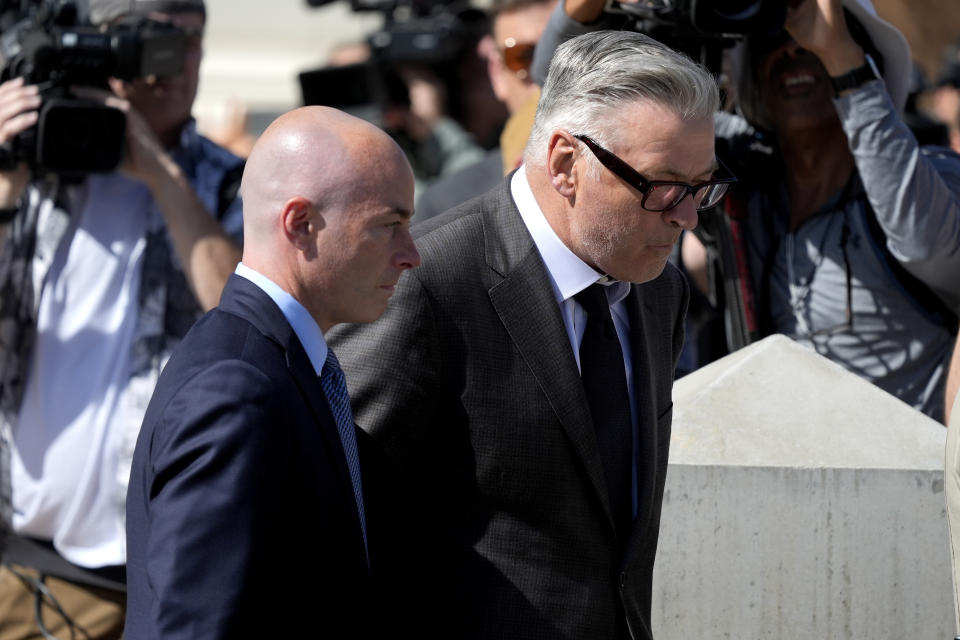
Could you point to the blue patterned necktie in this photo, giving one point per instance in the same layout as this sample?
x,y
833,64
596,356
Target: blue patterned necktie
x,y
335,388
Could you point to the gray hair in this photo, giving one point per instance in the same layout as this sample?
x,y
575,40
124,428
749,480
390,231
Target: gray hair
x,y
594,75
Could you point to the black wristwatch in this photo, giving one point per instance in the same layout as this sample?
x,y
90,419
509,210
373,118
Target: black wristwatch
x,y
856,77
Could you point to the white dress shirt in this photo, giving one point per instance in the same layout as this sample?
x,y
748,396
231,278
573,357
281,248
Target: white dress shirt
x,y
570,275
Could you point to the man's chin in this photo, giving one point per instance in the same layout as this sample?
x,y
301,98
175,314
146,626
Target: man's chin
x,y
641,274
370,314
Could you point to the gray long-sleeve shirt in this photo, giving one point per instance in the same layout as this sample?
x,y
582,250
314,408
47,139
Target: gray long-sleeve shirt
x,y
807,278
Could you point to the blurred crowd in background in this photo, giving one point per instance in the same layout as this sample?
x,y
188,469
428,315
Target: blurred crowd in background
x,y
453,84
472,78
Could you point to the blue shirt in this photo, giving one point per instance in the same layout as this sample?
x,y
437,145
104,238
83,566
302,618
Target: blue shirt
x,y
303,324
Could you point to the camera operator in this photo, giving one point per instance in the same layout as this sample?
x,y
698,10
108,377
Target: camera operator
x,y
100,279
516,26
409,99
435,143
850,229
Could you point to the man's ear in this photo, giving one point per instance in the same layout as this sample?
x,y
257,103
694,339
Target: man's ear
x,y
562,153
300,220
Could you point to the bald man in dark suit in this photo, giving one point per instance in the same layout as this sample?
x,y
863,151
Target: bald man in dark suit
x,y
245,516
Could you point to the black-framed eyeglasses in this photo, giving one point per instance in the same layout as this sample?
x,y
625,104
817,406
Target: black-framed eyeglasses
x,y
661,195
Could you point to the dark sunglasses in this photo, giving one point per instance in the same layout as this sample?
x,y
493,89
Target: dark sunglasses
x,y
518,56
661,195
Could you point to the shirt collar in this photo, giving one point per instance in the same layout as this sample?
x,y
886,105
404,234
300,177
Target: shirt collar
x,y
568,273
303,324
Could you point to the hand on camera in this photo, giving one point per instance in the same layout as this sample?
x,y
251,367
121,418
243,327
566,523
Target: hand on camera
x,y
144,156
18,112
819,26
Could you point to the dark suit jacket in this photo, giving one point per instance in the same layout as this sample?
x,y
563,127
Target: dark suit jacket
x,y
241,520
461,185
501,523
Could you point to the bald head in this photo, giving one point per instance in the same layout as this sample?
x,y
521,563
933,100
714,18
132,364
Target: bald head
x,y
316,185
320,154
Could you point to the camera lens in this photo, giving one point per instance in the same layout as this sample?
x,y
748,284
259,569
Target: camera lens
x,y
737,10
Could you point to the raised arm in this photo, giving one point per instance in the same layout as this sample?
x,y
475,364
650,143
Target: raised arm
x,y
18,112
206,253
914,192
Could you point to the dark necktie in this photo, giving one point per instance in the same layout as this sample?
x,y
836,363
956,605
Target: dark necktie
x,y
335,389
605,382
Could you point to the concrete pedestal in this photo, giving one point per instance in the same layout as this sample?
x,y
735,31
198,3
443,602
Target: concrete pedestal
x,y
801,502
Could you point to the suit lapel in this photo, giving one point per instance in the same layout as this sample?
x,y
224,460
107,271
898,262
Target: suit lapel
x,y
526,305
638,306
243,298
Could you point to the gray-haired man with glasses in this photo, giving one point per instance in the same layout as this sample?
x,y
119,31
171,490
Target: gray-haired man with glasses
x,y
848,229
520,380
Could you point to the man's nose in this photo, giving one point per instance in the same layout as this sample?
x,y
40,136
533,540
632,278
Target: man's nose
x,y
684,215
408,257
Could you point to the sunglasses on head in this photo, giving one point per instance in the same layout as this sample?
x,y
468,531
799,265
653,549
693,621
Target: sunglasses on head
x,y
517,56
661,195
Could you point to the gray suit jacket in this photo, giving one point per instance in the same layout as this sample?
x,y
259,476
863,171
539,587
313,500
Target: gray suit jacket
x,y
495,504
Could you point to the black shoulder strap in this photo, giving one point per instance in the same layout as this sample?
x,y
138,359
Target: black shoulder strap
x,y
229,188
924,297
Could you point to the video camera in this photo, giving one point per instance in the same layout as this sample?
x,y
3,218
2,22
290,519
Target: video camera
x,y
423,33
703,28
47,43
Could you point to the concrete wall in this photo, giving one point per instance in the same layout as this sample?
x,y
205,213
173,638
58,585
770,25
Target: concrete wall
x,y
801,502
